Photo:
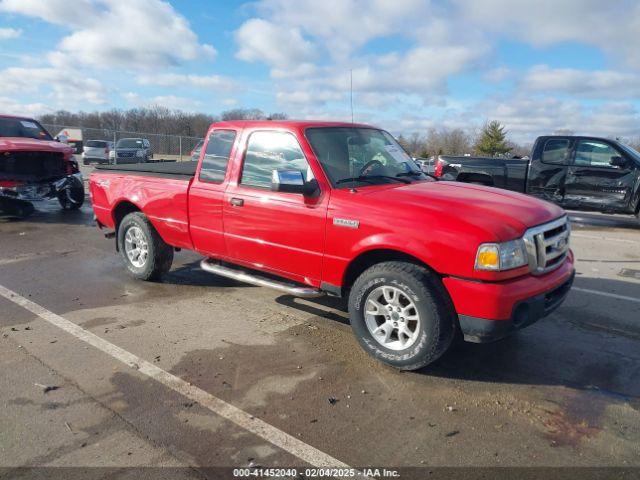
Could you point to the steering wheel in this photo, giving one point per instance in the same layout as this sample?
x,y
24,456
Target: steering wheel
x,y
369,166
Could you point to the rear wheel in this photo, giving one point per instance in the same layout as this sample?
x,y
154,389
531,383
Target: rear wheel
x,y
145,254
72,196
401,314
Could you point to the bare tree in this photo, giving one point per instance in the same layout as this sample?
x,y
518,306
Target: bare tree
x,y
447,142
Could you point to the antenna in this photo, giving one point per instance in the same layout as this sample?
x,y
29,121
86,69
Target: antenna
x,y
351,92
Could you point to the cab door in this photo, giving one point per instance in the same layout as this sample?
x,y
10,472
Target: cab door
x,y
206,195
279,232
595,180
548,167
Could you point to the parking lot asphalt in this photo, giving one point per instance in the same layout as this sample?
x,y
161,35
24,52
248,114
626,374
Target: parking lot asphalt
x,y
564,392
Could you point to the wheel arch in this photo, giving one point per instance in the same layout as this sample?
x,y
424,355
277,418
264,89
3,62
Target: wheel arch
x,y
121,210
371,257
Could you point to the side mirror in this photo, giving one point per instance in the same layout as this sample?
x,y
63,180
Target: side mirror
x,y
288,181
618,161
62,139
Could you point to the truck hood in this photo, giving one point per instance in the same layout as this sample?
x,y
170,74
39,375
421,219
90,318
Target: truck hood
x,y
32,144
505,214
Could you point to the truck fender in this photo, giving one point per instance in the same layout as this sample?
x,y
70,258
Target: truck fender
x,y
384,247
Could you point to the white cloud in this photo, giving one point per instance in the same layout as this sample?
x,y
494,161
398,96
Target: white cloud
x,y
598,84
343,26
66,87
306,97
527,117
132,34
173,80
53,11
13,107
498,74
311,46
9,33
284,49
609,25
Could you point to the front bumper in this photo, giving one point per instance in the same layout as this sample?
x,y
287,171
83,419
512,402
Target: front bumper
x,y
525,313
489,311
38,191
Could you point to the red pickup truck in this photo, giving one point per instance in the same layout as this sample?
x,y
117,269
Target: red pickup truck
x,y
314,208
33,167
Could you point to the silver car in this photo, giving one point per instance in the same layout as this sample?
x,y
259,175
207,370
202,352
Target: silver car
x,y
96,151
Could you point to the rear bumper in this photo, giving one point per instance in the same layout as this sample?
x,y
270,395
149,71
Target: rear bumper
x,y
490,311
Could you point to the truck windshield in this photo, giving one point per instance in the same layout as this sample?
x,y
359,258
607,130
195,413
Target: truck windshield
x,y
361,156
22,127
129,143
631,151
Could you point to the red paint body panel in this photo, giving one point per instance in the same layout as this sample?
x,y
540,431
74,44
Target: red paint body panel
x,y
440,223
163,200
495,300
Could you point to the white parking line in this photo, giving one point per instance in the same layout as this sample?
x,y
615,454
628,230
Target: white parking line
x,y
605,294
271,434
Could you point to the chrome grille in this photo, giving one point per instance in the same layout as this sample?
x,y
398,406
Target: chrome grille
x,y
547,245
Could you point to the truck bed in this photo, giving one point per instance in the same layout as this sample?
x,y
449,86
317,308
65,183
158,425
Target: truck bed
x,y
177,170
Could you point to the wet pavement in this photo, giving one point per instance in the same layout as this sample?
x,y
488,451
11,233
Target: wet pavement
x,y
564,392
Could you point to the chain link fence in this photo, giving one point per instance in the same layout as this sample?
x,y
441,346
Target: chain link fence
x,y
163,146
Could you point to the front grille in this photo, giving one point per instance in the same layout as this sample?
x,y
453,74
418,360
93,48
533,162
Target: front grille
x,y
126,154
548,245
32,165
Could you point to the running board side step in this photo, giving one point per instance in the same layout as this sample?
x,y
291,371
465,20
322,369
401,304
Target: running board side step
x,y
243,276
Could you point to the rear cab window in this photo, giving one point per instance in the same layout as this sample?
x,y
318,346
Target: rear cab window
x,y
216,156
556,151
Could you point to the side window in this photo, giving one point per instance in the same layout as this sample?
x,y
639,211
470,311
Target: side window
x,y
268,151
556,151
216,156
591,153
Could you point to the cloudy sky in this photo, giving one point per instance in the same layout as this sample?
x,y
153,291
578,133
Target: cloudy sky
x,y
536,66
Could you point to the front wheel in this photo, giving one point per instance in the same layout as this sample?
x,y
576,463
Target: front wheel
x,y
71,197
401,314
145,254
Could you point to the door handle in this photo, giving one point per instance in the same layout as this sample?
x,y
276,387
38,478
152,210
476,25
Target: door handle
x,y
237,202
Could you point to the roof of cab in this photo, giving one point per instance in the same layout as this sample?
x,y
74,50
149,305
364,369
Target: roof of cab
x,y
19,117
288,124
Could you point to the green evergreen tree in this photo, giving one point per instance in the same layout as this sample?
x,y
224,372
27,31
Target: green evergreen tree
x,y
492,140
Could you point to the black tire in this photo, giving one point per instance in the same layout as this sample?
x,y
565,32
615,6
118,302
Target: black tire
x,y
159,256
72,197
437,316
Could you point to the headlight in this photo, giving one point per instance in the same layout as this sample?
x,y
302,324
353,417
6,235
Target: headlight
x,y
139,153
501,256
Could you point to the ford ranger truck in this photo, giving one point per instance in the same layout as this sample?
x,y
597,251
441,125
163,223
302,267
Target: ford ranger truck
x,y
580,173
315,208
34,167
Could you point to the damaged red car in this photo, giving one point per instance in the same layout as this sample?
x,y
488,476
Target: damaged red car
x,y
34,167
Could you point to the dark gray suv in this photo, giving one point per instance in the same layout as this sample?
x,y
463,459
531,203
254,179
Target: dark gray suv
x,y
133,150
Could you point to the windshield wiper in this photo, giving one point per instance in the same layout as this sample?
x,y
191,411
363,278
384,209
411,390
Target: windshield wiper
x,y
369,178
415,173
